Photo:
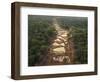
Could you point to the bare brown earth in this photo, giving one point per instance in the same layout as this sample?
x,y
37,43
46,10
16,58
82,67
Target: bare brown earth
x,y
61,51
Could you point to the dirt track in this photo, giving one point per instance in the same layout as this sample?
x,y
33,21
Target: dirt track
x,y
61,50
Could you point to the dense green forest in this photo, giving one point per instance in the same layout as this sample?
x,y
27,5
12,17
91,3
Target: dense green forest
x,y
78,26
41,32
